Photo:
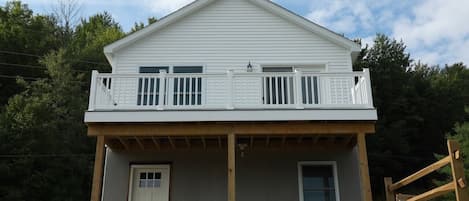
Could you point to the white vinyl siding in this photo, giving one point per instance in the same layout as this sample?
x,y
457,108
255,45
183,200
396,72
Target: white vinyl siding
x,y
226,35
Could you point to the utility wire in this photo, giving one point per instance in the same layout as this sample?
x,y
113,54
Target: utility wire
x,y
45,155
32,66
39,56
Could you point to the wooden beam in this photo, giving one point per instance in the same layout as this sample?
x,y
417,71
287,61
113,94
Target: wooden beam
x,y
421,173
231,167
390,196
240,128
188,142
457,169
364,172
171,142
434,193
140,143
155,141
203,142
98,171
267,141
124,143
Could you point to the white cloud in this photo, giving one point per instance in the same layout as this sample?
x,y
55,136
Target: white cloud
x,y
163,7
436,31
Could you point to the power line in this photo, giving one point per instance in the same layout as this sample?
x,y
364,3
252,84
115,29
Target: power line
x,y
45,155
39,56
32,78
32,66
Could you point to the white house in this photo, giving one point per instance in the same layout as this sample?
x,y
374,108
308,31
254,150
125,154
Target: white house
x,y
231,100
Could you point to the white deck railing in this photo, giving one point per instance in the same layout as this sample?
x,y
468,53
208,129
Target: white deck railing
x,y
163,91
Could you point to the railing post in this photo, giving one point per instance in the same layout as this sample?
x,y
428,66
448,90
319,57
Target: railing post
x,y
161,90
298,90
457,171
390,196
93,85
229,83
369,94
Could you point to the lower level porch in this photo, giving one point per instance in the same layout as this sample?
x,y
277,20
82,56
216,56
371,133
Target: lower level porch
x,y
234,161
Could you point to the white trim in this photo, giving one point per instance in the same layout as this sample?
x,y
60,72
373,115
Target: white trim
x,y
197,5
133,167
231,115
315,163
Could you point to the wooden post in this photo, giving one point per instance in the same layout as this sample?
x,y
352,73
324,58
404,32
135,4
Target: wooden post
x,y
457,169
390,196
298,90
364,173
231,167
98,170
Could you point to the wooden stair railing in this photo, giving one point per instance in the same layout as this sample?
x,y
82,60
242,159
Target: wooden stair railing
x,y
457,185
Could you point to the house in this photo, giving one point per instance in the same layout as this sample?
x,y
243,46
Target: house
x,y
231,100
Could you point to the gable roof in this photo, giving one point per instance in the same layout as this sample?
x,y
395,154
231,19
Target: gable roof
x,y
265,4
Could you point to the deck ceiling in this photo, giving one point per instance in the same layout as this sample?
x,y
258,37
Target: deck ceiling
x,y
224,128
266,142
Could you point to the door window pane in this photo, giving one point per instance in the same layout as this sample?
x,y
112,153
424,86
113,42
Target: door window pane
x,y
318,183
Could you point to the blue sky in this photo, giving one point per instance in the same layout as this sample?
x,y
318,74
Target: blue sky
x,y
435,31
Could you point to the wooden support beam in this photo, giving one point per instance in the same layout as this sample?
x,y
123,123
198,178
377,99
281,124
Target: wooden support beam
x,y
231,167
124,143
188,142
98,171
457,169
140,143
203,142
171,142
403,197
434,193
390,196
155,141
240,128
421,173
364,172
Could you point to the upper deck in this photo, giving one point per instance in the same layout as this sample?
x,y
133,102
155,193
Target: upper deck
x,y
230,96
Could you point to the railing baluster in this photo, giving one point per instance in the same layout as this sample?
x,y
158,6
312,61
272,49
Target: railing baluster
x,y
190,90
270,91
148,85
184,90
197,91
281,91
161,89
288,90
264,90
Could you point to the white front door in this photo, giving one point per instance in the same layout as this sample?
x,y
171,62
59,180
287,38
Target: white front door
x,y
149,183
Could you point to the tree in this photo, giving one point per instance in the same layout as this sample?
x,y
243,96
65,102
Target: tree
x,y
50,157
24,37
90,36
141,25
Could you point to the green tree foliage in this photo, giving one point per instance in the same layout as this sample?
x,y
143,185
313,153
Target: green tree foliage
x,y
90,36
22,31
46,155
140,25
416,105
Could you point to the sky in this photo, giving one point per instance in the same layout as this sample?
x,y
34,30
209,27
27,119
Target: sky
x,y
435,31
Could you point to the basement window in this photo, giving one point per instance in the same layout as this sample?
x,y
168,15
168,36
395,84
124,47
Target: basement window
x,y
318,181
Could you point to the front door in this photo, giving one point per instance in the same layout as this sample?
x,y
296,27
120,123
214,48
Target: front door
x,y
149,183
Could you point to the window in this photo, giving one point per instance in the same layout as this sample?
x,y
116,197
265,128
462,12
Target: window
x,y
187,89
149,180
149,87
318,181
